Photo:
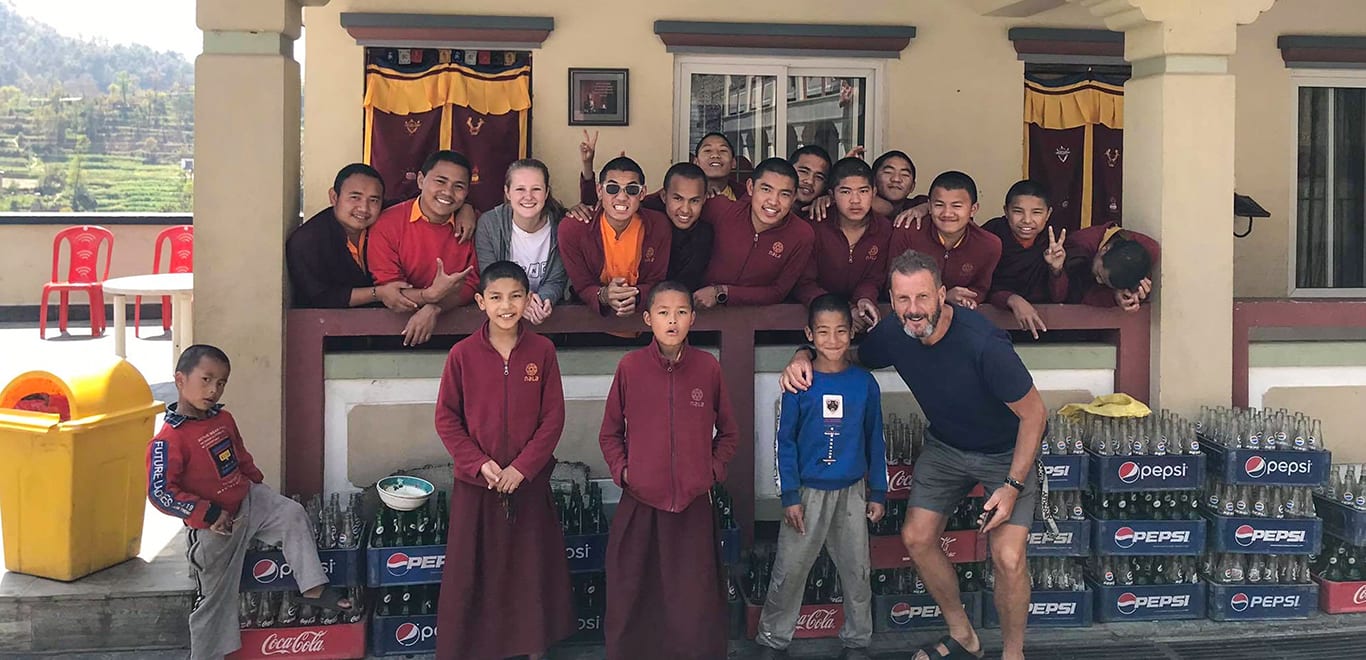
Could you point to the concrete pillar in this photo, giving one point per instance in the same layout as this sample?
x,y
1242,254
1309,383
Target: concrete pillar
x,y
1178,181
247,115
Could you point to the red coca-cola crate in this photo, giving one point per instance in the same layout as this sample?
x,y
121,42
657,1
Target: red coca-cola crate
x,y
960,547
335,642
899,483
1341,597
813,621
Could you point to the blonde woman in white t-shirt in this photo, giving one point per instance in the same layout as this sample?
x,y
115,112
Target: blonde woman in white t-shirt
x,y
523,229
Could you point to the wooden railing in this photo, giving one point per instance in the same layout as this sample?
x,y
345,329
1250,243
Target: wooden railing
x,y
307,330
1249,313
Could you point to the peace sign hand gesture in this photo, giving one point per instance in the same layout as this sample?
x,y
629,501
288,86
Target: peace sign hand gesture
x,y
1055,255
588,149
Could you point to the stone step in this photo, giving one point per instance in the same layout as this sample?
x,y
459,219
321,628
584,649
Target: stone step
x,y
139,604
134,605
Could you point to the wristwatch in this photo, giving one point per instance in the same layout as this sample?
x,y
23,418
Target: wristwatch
x,y
721,295
1014,484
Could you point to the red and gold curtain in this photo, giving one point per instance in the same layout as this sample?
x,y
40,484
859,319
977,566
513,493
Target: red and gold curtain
x,y
1074,139
418,101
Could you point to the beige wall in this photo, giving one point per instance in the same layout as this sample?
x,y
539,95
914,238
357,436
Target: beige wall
x,y
26,252
1265,141
952,100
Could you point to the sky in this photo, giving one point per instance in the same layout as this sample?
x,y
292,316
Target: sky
x,y
158,24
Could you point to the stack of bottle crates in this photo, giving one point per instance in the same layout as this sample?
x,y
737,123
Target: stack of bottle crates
x,y
1148,535
1263,465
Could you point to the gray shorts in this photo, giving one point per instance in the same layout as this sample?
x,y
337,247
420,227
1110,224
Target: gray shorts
x,y
943,475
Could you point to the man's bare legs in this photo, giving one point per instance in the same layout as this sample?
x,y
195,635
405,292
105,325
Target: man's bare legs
x,y
920,534
1012,586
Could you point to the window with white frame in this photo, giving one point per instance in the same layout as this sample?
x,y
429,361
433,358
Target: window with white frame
x,y
1329,232
770,107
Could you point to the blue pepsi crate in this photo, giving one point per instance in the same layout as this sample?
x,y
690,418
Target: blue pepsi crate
x,y
894,613
408,564
586,552
1266,536
1150,602
1119,474
1267,467
268,571
1148,537
1047,609
730,546
1247,602
403,635
1341,521
1073,540
1067,472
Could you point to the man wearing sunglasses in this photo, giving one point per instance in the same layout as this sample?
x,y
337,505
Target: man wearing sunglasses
x,y
615,259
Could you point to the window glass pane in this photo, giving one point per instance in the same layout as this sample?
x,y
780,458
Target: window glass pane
x,y
829,112
744,108
1348,177
1311,256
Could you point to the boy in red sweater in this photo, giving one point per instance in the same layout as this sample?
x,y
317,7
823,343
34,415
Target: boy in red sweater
x,y
665,595
967,254
199,470
500,411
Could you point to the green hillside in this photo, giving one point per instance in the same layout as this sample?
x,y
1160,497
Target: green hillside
x,y
90,126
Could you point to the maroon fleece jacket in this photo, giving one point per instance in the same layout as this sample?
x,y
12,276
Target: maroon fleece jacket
x,y
758,268
508,411
670,424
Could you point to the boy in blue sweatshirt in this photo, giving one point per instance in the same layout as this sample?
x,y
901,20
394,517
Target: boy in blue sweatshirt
x,y
830,450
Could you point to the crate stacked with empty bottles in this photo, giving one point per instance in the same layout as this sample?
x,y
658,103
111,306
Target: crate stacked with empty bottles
x,y
404,561
1263,466
1148,535
1059,594
273,622
1340,568
900,601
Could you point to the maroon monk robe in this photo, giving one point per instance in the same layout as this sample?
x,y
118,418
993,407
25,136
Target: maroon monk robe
x,y
505,589
1022,270
1082,246
667,433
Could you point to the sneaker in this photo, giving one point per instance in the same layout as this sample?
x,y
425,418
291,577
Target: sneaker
x,y
854,654
769,653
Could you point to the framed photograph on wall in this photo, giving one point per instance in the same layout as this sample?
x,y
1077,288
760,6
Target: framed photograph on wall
x,y
599,97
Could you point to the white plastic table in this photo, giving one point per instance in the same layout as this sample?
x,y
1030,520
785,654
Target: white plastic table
x,y
179,286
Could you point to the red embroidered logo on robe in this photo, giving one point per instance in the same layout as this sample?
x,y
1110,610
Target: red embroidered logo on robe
x,y
872,254
776,251
533,373
697,396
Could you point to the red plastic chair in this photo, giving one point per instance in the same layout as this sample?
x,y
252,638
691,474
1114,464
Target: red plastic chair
x,y
87,245
181,240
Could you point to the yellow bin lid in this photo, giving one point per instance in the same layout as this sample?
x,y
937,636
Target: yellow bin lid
x,y
96,388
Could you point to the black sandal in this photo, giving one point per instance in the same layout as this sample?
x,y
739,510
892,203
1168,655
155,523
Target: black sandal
x,y
329,599
954,647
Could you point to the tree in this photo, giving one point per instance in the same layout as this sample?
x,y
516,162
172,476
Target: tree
x,y
81,199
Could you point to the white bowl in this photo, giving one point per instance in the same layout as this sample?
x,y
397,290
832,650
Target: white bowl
x,y
403,492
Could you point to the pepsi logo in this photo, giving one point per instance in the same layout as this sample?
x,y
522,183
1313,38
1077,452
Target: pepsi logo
x,y
1238,602
1255,466
1244,535
1128,472
1124,537
1127,603
265,571
397,565
901,614
407,634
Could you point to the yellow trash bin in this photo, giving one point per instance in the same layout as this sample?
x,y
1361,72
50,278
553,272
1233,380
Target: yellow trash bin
x,y
72,475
